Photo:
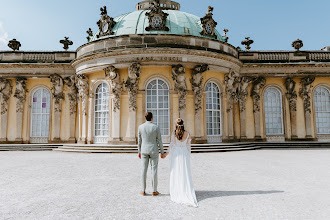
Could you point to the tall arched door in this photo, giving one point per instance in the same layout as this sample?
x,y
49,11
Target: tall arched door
x,y
322,110
40,115
273,111
213,113
101,114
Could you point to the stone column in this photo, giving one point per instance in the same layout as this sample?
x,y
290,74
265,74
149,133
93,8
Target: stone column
x,y
305,93
83,87
257,84
6,89
20,95
90,126
132,85
58,97
242,96
112,74
196,82
69,82
291,95
180,85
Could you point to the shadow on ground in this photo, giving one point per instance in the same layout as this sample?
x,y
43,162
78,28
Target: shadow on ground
x,y
201,195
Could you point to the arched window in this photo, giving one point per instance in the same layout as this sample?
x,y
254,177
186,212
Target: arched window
x,y
273,111
213,112
158,104
101,114
40,116
322,110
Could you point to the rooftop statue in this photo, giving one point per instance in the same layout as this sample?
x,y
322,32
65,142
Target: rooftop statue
x,y
66,43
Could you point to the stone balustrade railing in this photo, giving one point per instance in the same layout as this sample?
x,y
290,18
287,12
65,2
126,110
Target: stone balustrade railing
x,y
284,56
36,57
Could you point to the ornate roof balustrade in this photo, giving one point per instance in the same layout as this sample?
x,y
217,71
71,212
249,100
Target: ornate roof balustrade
x,y
284,56
36,57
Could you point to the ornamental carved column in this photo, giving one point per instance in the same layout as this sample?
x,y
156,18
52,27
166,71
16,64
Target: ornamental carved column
x,y
180,85
232,82
58,97
242,96
291,96
132,85
257,84
197,87
70,83
305,93
82,86
6,89
20,95
112,74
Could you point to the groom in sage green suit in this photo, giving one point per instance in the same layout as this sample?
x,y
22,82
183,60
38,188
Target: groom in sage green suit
x,y
148,142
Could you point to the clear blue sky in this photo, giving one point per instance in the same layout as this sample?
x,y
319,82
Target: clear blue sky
x,y
272,24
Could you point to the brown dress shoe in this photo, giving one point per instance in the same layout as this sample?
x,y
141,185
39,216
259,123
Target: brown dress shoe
x,y
155,193
143,193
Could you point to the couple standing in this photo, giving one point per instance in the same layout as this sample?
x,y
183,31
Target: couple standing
x,y
181,188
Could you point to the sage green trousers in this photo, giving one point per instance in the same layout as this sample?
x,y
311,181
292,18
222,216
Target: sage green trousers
x,y
153,160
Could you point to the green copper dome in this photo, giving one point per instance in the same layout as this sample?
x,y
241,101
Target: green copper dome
x,y
178,22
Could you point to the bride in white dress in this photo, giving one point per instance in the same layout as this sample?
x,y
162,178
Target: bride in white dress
x,y
181,185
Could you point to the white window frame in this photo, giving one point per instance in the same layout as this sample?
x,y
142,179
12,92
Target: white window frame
x,y
315,109
281,107
157,109
102,138
40,139
213,137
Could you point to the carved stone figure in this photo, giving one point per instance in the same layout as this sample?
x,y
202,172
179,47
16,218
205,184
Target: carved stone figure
x,y
180,85
157,18
90,34
20,93
196,82
305,92
257,84
247,42
225,37
14,44
6,89
105,24
116,86
132,84
209,24
243,92
83,92
297,44
232,82
66,43
57,90
70,83
291,94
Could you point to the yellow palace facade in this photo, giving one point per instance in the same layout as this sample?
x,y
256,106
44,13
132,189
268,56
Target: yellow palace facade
x,y
173,64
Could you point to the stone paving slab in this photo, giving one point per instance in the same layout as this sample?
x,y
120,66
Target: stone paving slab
x,y
261,184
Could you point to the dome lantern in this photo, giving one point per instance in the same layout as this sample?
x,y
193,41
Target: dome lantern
x,y
163,4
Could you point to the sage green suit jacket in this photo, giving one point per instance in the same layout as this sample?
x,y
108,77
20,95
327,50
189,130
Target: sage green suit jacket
x,y
149,139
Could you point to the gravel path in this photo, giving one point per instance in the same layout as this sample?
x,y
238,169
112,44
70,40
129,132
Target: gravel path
x,y
263,184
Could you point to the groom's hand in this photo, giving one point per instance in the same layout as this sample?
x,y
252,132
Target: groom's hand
x,y
140,156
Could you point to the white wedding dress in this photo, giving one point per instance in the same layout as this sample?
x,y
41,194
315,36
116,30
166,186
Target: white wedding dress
x,y
181,185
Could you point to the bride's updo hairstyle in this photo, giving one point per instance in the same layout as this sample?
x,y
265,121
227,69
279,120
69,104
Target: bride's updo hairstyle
x,y
179,129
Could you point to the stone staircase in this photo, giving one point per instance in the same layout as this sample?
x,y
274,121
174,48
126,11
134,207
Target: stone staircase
x,y
28,147
195,148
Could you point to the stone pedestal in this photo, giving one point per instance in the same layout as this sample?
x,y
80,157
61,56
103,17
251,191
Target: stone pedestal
x,y
257,133
230,113
115,126
308,124
198,124
293,121
131,134
3,136
19,124
57,125
72,127
182,114
243,124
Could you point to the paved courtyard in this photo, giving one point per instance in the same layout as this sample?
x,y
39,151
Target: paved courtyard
x,y
263,184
